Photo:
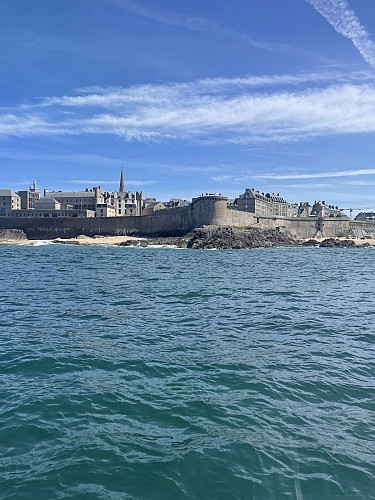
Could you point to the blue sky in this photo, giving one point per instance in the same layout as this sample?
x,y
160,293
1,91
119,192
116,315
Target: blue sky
x,y
190,96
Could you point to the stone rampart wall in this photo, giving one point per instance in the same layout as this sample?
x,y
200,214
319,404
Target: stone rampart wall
x,y
305,227
166,222
205,210
301,227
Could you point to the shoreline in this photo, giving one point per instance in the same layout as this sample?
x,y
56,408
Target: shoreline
x,y
133,241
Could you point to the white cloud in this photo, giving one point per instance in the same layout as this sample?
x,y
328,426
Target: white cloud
x,y
247,177
318,175
345,22
59,155
308,186
129,182
157,95
207,111
364,183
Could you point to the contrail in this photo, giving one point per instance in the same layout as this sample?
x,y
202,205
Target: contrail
x,y
345,22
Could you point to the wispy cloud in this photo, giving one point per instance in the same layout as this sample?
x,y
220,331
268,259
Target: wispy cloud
x,y
318,175
232,179
59,155
363,183
96,182
234,111
307,186
248,176
16,184
345,22
115,97
91,181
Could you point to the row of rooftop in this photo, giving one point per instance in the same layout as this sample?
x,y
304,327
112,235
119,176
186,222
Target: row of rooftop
x,y
96,202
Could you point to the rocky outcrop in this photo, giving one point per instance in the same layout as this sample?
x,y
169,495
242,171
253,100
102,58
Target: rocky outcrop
x,y
12,235
310,243
175,241
226,237
221,238
336,243
330,243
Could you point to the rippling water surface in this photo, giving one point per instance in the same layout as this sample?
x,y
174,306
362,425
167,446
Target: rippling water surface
x,y
176,374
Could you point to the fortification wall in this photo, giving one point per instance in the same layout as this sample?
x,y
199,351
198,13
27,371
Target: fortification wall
x,y
359,224
237,218
305,227
166,222
301,227
210,209
205,210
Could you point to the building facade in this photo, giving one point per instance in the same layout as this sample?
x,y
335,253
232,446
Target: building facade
x,y
29,196
260,203
105,210
50,213
9,200
365,217
152,207
78,200
123,202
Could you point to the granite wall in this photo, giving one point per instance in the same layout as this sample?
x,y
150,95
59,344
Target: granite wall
x,y
205,210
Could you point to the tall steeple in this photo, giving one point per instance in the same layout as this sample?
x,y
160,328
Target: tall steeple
x,y
122,183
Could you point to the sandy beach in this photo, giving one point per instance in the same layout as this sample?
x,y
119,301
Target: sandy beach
x,y
360,241
81,240
100,240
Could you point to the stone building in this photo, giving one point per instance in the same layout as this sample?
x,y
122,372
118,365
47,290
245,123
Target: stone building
x,y
124,202
105,210
365,217
47,203
260,203
304,209
29,196
152,207
320,207
9,200
49,207
35,213
176,202
78,200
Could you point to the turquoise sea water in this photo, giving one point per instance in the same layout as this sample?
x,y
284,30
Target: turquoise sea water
x,y
177,374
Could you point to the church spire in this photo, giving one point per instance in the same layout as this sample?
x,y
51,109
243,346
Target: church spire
x,y
122,183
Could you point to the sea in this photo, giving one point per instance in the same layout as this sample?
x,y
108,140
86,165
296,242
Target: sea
x,y
161,373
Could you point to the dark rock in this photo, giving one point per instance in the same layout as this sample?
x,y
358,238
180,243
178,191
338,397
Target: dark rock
x,y
310,243
133,243
226,237
336,243
61,241
176,241
12,234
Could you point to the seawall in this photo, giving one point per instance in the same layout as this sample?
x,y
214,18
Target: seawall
x,y
205,210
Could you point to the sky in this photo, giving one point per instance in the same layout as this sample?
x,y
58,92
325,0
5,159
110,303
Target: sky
x,y
190,96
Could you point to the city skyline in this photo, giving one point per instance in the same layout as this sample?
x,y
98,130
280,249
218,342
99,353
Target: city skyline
x,y
274,95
